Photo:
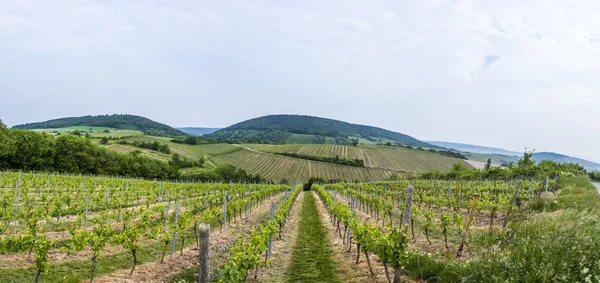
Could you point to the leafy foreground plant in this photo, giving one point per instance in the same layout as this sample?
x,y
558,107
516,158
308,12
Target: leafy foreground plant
x,y
246,252
544,248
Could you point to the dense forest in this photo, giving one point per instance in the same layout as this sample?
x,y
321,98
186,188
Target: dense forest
x,y
28,150
279,128
118,121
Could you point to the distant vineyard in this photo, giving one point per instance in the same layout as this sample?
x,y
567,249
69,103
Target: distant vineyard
x,y
275,167
383,157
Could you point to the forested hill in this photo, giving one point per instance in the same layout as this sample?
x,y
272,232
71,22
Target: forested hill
x,y
118,121
309,129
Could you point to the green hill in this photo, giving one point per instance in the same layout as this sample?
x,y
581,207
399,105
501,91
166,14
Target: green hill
x,y
117,121
284,129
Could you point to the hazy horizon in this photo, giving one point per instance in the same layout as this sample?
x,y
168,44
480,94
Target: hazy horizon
x,y
505,74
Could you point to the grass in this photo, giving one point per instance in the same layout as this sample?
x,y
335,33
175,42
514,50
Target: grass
x,y
97,132
554,246
311,258
117,134
219,149
145,152
380,161
577,193
89,129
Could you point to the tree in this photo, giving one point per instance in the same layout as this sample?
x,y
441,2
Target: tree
x,y
354,142
488,164
29,150
76,132
104,140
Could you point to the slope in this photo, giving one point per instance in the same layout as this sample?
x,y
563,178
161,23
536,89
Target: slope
x,y
117,121
501,156
308,129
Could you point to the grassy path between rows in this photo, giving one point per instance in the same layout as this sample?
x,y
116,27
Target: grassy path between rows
x,y
311,258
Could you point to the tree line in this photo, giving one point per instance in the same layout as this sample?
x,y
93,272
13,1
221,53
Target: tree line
x,y
118,121
28,150
335,160
526,167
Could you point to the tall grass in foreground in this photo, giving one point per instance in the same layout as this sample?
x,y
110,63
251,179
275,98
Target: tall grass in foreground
x,y
547,247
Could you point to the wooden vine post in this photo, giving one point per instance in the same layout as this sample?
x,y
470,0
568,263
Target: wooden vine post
x,y
469,219
204,236
407,210
512,203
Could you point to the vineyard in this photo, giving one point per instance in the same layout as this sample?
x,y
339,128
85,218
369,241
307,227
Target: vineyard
x,y
56,226
382,157
277,167
68,228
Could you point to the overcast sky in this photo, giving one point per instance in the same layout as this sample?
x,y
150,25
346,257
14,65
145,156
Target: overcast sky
x,y
510,73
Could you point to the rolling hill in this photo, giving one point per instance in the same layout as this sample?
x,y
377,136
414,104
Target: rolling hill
x,y
499,156
198,131
117,121
475,148
285,129
561,158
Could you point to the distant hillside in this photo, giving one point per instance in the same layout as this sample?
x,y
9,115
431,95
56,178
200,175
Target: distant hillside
x,y
560,158
196,131
475,148
118,121
308,129
499,155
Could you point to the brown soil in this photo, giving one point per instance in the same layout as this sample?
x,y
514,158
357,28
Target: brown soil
x,y
219,243
347,269
283,248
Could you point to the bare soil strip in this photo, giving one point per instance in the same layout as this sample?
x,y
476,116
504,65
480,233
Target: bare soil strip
x,y
282,248
219,242
346,267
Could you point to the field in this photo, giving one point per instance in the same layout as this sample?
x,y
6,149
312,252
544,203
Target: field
x,y
381,162
383,157
69,228
77,227
145,152
94,131
276,167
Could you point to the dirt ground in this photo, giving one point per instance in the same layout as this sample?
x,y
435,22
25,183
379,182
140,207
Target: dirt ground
x,y
219,242
283,248
347,269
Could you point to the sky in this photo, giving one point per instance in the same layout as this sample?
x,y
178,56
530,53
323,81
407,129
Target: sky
x,y
509,74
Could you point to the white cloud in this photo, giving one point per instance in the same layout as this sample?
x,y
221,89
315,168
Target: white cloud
x,y
498,73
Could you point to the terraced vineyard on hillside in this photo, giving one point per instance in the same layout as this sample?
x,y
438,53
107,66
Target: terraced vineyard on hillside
x,y
384,157
276,167
380,161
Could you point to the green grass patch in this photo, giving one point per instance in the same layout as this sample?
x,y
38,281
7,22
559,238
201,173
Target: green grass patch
x,y
311,258
576,192
561,246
